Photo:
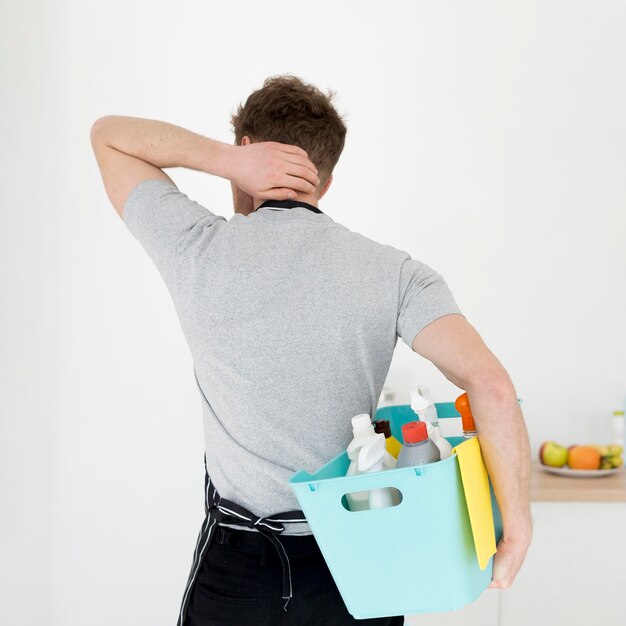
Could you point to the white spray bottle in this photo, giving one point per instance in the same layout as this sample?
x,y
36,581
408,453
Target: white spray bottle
x,y
425,409
363,431
371,459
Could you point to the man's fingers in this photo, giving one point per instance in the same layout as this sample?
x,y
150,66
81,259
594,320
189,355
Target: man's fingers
x,y
303,172
287,147
301,160
285,167
297,183
277,193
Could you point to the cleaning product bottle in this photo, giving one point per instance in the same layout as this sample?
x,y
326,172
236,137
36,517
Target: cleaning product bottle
x,y
617,428
363,431
391,443
462,405
427,412
370,459
418,449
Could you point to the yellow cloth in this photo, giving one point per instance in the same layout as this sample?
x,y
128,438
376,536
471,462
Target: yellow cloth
x,y
478,497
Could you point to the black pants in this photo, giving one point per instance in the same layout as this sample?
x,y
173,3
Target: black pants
x,y
239,584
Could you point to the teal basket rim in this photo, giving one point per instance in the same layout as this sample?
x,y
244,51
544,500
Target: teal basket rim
x,y
444,410
302,476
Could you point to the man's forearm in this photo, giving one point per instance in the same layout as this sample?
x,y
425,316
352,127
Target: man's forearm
x,y
505,448
163,144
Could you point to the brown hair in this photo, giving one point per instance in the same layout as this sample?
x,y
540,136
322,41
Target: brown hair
x,y
288,110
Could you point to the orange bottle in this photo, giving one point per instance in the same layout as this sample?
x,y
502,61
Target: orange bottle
x,y
462,405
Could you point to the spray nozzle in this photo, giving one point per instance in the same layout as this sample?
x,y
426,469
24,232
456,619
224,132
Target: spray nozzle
x,y
423,405
419,404
425,392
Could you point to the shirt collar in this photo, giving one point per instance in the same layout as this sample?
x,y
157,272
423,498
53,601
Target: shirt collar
x,y
288,204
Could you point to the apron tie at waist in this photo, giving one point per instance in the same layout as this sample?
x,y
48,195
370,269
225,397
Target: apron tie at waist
x,y
228,512
219,510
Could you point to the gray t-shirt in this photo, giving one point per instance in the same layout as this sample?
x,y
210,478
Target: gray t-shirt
x,y
292,320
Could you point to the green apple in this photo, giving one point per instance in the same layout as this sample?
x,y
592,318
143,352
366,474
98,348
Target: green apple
x,y
553,454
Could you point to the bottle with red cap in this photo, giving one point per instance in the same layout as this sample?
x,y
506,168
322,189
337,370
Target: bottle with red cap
x,y
462,405
418,448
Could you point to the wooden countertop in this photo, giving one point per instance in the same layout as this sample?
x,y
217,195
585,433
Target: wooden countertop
x,y
546,487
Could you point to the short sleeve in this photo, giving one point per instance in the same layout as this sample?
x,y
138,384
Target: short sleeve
x,y
424,296
161,218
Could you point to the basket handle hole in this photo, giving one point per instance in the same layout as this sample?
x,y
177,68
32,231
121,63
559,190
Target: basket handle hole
x,y
383,498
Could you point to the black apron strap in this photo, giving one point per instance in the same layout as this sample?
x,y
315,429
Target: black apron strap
x,y
219,510
207,532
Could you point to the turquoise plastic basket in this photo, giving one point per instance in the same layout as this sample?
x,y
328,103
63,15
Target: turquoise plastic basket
x,y
416,557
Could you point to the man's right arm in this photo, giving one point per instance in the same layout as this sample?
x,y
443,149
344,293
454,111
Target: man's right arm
x,y
130,150
452,344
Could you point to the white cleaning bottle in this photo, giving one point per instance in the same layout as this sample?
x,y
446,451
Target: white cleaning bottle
x,y
425,409
363,431
371,458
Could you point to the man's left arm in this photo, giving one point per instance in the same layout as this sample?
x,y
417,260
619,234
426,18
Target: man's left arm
x,y
454,346
130,150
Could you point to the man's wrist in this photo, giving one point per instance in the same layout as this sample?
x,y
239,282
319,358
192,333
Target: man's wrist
x,y
518,527
217,158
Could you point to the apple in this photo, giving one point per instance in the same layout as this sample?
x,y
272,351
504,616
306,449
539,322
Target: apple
x,y
553,454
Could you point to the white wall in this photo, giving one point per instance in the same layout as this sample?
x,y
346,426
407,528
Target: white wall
x,y
491,136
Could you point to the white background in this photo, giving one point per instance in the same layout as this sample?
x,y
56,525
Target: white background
x,y
485,138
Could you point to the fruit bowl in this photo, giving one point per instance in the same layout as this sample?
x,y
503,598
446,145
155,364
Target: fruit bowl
x,y
578,473
581,461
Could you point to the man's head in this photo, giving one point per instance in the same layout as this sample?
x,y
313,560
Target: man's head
x,y
290,111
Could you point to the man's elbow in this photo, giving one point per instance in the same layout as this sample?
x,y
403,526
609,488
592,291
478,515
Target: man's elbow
x,y
96,135
494,381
